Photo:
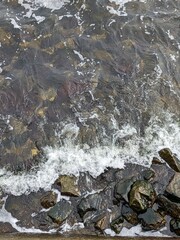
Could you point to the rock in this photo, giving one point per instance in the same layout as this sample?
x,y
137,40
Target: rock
x,y
163,174
103,223
6,228
175,226
68,185
49,200
170,158
43,221
156,161
148,174
122,189
151,220
173,189
171,208
129,214
60,211
93,202
116,224
141,196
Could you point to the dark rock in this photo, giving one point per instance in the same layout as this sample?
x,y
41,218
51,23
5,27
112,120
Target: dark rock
x,y
60,211
122,189
171,208
173,189
151,220
156,161
116,224
49,200
129,214
148,174
22,207
68,185
141,196
103,222
43,221
92,202
6,228
163,174
175,226
170,158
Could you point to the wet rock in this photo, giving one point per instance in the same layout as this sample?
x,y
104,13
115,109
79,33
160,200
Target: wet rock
x,y
141,196
22,207
60,211
156,161
68,185
148,174
49,200
151,220
6,228
175,226
173,189
122,189
170,158
163,174
129,214
92,202
103,222
116,224
171,208
43,221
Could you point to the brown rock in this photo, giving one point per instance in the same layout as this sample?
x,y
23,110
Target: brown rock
x,y
6,228
49,200
171,208
170,158
68,185
173,189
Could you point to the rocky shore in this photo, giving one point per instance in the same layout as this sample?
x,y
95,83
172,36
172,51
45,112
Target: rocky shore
x,y
117,199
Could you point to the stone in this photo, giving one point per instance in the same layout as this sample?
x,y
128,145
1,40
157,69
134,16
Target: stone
x,y
68,185
49,200
103,223
151,220
60,212
141,196
130,215
175,226
170,159
6,228
148,174
93,202
173,189
122,189
116,224
171,208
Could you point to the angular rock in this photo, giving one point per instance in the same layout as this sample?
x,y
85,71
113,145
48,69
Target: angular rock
x,y
129,214
116,224
141,196
49,200
60,211
92,202
173,189
175,226
151,220
68,185
103,222
171,208
170,158
148,174
122,189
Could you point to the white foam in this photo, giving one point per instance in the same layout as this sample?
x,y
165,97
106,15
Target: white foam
x,y
73,159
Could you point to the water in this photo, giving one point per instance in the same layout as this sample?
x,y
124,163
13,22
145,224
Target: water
x,y
85,85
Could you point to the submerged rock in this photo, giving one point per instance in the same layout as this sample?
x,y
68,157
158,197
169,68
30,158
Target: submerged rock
x,y
60,211
170,158
141,196
173,189
68,185
49,200
151,220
